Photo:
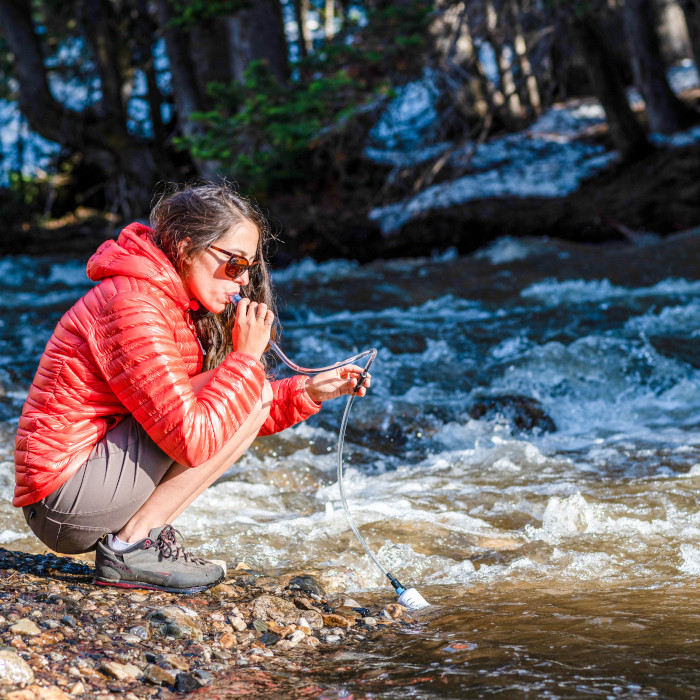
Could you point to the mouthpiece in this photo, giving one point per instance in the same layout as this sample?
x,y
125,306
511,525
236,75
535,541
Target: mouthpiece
x,y
235,298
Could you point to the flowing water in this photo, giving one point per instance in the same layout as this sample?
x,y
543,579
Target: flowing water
x,y
561,562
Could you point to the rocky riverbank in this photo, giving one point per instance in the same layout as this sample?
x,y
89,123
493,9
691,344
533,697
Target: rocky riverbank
x,y
62,637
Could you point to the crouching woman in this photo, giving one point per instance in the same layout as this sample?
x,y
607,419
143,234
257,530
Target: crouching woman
x,y
152,386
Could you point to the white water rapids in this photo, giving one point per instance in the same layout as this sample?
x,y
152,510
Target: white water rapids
x,y
469,510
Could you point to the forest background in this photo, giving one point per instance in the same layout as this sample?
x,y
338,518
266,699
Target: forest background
x,y
285,98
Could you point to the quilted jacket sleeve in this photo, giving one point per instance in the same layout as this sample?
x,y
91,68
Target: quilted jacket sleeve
x,y
133,343
290,405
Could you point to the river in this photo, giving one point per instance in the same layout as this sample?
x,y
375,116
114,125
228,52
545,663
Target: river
x,y
560,562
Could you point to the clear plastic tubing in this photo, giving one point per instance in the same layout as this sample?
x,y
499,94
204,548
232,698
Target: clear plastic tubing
x,y
408,597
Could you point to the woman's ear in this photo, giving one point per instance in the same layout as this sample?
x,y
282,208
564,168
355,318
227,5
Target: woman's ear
x,y
182,249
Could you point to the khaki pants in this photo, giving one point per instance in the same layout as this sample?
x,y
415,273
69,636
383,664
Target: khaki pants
x,y
120,474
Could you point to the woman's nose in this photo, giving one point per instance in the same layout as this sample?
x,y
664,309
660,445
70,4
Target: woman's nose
x,y
243,278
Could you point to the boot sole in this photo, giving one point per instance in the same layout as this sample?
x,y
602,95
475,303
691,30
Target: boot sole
x,y
153,586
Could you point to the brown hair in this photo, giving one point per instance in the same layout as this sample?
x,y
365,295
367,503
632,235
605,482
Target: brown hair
x,y
200,214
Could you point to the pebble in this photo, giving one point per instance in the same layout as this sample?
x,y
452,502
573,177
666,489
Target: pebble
x,y
395,610
308,584
110,644
14,669
69,621
25,627
282,611
228,640
296,637
131,639
237,623
177,621
120,671
269,639
37,692
261,626
172,660
334,620
313,618
160,676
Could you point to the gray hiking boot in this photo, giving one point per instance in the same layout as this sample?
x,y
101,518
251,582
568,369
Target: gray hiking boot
x,y
157,562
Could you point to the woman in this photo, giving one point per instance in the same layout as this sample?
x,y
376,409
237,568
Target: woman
x,y
122,429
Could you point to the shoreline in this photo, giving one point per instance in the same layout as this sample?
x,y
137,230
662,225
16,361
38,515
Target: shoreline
x,y
657,195
63,637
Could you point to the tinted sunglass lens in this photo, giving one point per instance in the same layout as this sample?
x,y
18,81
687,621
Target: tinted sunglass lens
x,y
236,268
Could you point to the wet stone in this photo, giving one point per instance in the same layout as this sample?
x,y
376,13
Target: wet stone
x,y
161,676
518,412
260,626
313,618
269,639
13,669
306,583
37,692
228,640
173,661
119,671
25,628
131,639
334,620
268,607
139,631
178,622
238,624
187,682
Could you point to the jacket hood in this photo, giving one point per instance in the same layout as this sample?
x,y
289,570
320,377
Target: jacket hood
x,y
134,255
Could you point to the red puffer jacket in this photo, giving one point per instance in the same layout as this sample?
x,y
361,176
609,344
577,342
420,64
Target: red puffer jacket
x,y
129,347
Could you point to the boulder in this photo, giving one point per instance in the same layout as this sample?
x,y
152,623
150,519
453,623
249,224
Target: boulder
x,y
518,412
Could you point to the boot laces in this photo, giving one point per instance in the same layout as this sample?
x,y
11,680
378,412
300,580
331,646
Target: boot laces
x,y
167,546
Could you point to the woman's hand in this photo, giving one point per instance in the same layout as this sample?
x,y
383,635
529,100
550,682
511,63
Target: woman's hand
x,y
335,383
251,332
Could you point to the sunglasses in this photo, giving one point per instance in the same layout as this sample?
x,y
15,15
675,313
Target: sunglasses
x,y
237,264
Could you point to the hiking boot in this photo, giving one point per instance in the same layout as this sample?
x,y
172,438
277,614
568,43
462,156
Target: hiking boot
x,y
157,562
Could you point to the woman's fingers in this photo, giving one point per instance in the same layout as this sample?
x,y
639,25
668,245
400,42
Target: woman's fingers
x,y
252,329
256,312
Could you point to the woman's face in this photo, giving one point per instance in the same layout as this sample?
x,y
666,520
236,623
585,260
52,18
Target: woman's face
x,y
206,279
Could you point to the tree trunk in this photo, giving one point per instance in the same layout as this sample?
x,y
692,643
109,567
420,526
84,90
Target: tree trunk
x,y
301,8
531,91
126,162
186,90
99,24
146,59
691,9
257,33
514,112
626,132
666,113
455,50
329,19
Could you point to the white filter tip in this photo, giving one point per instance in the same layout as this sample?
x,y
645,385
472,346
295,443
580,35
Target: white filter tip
x,y
413,600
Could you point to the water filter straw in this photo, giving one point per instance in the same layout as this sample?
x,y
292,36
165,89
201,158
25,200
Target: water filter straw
x,y
409,598
413,600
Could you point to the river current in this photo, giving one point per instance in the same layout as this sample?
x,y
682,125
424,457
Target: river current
x,y
556,531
